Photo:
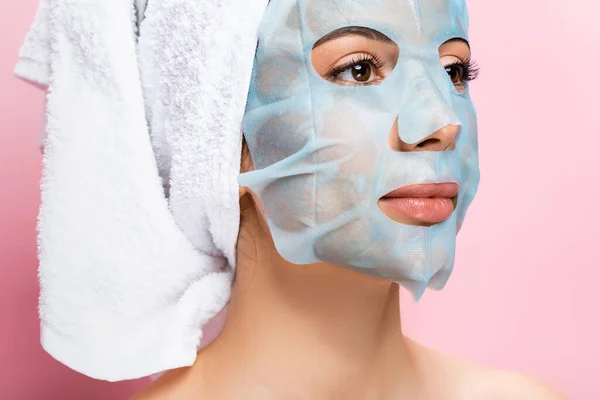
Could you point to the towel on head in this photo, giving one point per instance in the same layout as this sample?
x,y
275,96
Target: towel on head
x,y
139,214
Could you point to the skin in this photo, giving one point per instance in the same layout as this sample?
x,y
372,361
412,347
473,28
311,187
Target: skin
x,y
323,332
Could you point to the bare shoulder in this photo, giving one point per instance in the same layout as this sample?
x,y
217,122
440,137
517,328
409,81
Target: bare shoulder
x,y
506,385
470,381
170,386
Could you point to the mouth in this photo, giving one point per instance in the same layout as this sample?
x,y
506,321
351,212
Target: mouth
x,y
422,205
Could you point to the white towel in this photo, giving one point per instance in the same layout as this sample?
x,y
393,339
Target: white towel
x,y
33,64
128,277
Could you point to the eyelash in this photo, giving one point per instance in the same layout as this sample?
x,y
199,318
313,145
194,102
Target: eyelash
x,y
471,70
372,59
469,66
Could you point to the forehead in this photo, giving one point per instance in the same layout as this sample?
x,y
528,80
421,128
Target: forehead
x,y
416,21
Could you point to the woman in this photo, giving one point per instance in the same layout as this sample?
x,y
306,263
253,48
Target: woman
x,y
359,163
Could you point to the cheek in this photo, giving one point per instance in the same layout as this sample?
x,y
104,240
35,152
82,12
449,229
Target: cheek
x,y
298,202
345,186
279,137
467,144
466,157
337,197
346,123
289,202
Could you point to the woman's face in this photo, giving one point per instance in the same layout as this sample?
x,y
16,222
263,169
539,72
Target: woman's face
x,y
363,134
359,56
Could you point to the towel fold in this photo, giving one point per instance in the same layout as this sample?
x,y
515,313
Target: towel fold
x,y
139,214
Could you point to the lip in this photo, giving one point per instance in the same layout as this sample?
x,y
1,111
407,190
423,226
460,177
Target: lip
x,y
422,204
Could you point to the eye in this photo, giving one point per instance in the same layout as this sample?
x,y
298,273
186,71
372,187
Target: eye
x,y
461,72
456,72
354,56
361,70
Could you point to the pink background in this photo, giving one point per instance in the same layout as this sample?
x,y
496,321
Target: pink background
x,y
524,294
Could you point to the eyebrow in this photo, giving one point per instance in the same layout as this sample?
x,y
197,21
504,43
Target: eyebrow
x,y
354,30
369,34
457,39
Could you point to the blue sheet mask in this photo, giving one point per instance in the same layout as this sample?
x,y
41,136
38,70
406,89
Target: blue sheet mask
x,y
321,150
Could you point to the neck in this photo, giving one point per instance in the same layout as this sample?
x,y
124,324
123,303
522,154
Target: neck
x,y
310,331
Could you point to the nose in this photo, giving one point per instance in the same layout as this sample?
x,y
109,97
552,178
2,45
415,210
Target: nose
x,y
441,140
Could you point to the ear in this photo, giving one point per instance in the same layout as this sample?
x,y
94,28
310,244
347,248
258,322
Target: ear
x,y
243,191
246,165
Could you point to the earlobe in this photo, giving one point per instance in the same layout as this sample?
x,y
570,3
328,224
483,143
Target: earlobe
x,y
243,191
246,163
